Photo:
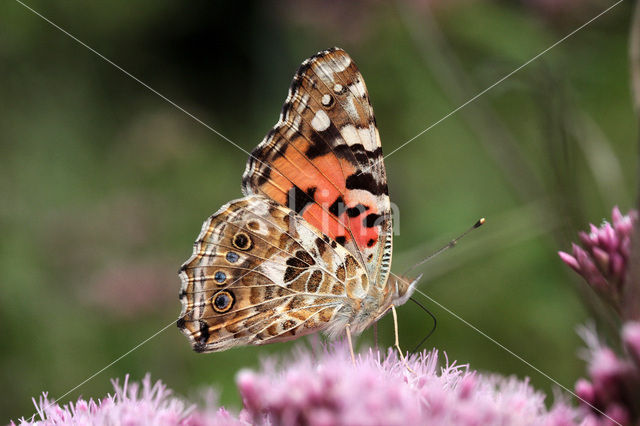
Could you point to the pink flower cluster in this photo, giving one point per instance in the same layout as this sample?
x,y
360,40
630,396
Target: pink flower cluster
x,y
602,261
327,389
612,394
614,388
131,404
380,390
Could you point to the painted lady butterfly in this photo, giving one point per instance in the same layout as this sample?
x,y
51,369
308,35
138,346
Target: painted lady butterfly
x,y
309,246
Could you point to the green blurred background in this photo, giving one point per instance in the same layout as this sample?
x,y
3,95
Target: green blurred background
x,y
104,185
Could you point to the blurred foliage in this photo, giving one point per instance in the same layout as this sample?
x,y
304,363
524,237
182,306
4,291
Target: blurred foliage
x,y
104,185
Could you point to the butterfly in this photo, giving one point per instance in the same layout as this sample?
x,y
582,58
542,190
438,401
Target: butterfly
x,y
308,248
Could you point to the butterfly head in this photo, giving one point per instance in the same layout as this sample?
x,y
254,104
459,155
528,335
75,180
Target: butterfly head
x,y
403,287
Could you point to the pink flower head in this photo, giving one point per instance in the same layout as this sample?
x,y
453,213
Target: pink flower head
x,y
327,389
602,259
611,394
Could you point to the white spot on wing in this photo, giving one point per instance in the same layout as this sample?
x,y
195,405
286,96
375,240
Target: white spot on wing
x,y
350,107
320,121
371,138
273,270
341,63
324,71
353,136
350,135
359,87
326,99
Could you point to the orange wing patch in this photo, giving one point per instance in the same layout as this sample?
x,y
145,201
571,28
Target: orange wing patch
x,y
319,193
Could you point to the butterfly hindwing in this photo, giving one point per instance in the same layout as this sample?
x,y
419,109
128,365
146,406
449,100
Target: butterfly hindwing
x,y
323,160
260,273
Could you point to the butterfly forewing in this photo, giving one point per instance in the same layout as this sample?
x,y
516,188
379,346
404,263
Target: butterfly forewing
x,y
323,159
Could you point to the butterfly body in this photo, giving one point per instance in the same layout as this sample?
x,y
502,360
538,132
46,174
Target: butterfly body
x,y
309,246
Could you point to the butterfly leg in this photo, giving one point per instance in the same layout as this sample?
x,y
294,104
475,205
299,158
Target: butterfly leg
x,y
348,331
375,335
397,342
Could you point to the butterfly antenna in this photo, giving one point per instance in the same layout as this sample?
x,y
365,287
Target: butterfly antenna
x,y
450,244
433,329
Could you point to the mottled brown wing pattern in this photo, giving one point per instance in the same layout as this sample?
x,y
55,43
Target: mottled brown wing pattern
x,y
323,159
259,273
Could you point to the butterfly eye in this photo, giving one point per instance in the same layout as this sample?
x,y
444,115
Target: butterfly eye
x,y
242,241
222,301
220,276
232,257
